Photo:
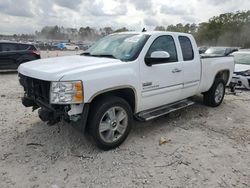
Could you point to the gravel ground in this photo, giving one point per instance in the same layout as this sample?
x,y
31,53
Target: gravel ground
x,y
47,54
207,147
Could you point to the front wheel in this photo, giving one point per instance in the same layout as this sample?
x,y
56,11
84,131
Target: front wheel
x,y
110,122
215,95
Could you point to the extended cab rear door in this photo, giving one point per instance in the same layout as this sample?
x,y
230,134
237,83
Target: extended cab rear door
x,y
191,63
161,83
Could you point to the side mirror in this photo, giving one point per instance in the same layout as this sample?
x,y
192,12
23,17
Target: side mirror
x,y
157,57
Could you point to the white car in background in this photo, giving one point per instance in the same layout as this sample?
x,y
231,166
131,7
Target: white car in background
x,y
69,46
241,76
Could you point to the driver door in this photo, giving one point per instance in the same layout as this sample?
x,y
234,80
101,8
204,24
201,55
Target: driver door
x,y
162,81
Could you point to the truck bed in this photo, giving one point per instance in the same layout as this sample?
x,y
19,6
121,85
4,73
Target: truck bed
x,y
209,67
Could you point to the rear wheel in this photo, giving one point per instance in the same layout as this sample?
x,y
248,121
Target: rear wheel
x,y
110,122
215,95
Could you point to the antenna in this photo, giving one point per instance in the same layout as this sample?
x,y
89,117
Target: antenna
x,y
144,30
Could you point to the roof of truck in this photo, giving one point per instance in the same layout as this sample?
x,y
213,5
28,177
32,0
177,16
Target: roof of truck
x,y
152,32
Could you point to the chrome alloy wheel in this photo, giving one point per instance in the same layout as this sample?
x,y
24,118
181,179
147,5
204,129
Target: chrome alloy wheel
x,y
113,124
219,92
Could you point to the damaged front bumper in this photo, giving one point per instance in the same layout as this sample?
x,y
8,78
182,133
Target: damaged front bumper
x,y
37,96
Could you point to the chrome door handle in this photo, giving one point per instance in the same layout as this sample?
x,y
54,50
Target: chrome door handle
x,y
176,70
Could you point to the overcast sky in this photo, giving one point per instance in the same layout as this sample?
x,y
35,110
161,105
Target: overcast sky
x,y
26,16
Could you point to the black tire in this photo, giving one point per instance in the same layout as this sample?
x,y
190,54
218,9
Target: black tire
x,y
97,112
209,97
232,87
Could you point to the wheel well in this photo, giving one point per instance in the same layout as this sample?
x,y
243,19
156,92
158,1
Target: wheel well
x,y
127,94
224,75
24,61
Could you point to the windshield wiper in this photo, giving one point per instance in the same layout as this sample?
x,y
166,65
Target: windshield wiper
x,y
99,55
105,55
86,53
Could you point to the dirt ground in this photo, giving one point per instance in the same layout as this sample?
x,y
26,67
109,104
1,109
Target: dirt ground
x,y
208,147
57,53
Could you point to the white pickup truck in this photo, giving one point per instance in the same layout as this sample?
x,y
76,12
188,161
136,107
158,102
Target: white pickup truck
x,y
124,76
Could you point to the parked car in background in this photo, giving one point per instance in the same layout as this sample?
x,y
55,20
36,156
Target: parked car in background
x,y
219,51
202,49
13,54
83,46
46,45
67,46
241,76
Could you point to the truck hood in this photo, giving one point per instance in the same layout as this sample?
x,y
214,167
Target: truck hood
x,y
53,69
241,67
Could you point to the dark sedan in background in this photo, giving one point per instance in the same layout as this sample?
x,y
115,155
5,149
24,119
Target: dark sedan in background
x,y
13,54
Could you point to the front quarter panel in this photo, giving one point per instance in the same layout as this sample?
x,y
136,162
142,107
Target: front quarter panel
x,y
97,81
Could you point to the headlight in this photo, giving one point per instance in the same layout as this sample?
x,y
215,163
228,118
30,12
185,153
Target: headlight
x,y
66,92
243,73
246,73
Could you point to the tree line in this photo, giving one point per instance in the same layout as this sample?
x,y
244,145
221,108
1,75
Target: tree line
x,y
84,33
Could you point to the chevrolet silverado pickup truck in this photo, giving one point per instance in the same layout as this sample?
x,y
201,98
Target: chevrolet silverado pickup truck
x,y
122,77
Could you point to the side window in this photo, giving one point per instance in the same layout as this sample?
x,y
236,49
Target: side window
x,y
186,48
7,47
164,43
32,47
23,46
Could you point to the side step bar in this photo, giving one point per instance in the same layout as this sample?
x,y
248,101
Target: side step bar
x,y
163,110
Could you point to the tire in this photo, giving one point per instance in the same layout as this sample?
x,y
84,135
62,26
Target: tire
x,y
215,95
106,127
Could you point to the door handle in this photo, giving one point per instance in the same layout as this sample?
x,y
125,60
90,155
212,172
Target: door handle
x,y
176,70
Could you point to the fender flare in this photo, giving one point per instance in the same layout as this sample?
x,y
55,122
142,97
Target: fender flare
x,y
113,89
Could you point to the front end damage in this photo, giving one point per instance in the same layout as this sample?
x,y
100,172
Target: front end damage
x,y
240,81
37,96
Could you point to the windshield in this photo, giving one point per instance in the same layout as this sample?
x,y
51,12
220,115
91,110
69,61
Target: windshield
x,y
125,47
242,58
216,51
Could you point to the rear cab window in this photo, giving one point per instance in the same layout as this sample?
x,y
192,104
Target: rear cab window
x,y
186,48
